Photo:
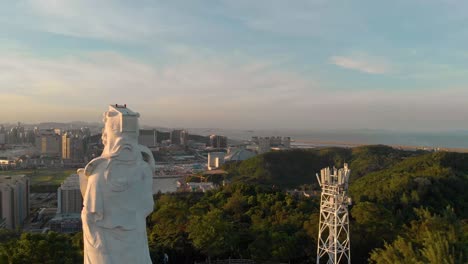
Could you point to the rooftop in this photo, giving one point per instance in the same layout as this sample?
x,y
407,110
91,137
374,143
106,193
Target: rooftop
x,y
122,109
71,183
11,179
239,155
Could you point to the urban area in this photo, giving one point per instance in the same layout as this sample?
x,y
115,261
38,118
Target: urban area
x,y
40,190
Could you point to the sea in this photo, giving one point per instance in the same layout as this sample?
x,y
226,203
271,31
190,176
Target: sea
x,y
441,139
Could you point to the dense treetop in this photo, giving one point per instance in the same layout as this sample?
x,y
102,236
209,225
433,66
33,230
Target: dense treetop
x,y
293,168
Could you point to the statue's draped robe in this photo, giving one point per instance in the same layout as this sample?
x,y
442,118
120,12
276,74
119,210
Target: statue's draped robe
x,y
117,199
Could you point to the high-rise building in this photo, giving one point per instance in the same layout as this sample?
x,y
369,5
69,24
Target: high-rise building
x,y
72,147
184,137
69,198
175,137
215,160
179,137
15,135
29,136
66,146
14,200
69,205
2,135
50,143
275,141
263,145
148,137
217,141
255,140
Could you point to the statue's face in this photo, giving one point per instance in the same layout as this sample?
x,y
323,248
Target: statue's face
x,y
104,137
111,129
112,136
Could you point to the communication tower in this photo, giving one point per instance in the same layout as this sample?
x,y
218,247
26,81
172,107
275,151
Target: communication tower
x,y
333,245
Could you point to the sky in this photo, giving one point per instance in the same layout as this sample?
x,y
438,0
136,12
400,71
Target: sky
x,y
242,64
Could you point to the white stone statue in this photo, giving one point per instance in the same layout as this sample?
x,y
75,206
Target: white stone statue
x,y
117,194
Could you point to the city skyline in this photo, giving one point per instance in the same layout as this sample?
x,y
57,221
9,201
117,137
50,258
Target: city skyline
x,y
400,65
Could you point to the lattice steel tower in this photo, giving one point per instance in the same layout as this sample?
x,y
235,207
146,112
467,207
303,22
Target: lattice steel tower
x,y
333,245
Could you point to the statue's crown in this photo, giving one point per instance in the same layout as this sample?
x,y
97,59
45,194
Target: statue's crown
x,y
128,118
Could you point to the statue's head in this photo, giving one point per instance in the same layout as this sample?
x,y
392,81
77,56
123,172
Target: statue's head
x,y
120,129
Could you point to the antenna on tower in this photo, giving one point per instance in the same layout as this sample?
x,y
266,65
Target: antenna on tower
x,y
333,245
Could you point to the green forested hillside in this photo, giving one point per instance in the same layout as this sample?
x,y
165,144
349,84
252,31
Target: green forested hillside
x,y
237,221
433,181
296,167
368,159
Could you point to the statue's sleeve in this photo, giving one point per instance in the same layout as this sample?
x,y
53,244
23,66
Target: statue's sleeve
x,y
93,200
83,181
91,189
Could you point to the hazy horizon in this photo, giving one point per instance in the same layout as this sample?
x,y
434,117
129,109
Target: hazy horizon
x,y
249,129
398,65
330,137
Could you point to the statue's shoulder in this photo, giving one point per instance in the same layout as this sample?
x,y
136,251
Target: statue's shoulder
x,y
93,164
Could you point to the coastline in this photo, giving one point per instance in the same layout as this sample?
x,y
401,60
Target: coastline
x,y
323,144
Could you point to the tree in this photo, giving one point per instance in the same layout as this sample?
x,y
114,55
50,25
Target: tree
x,y
41,248
211,233
429,239
371,225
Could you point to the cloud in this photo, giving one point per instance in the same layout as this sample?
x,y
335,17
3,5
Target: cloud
x,y
209,92
362,63
177,94
297,18
141,21
116,21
